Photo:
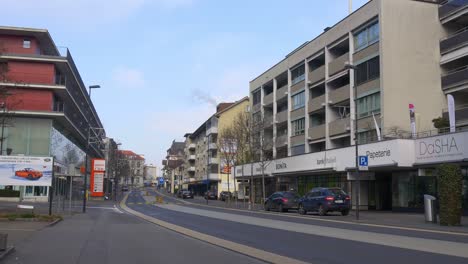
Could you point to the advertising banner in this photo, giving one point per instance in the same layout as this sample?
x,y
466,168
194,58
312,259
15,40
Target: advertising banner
x,y
98,167
412,120
26,171
451,112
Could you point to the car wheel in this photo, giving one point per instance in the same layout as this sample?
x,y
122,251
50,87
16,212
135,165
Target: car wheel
x,y
280,208
302,210
345,212
322,211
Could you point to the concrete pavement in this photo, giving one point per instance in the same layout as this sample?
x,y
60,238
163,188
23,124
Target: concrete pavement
x,y
104,235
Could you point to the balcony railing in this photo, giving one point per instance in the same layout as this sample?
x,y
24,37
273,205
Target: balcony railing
x,y
282,117
339,126
282,92
317,132
455,78
451,6
339,95
192,146
454,41
461,113
212,146
268,99
337,65
281,140
268,120
317,74
316,103
212,130
192,157
213,161
58,107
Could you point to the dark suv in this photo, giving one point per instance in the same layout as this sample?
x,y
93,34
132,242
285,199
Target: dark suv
x,y
324,200
282,201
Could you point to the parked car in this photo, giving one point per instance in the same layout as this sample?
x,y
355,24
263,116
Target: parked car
x,y
282,201
124,188
29,174
324,200
210,195
224,195
184,194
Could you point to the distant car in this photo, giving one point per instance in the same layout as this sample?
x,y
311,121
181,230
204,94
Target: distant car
x,y
124,188
210,195
224,195
282,201
184,194
29,174
324,200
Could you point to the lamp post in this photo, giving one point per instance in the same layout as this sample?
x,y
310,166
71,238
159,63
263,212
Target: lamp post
x,y
86,154
356,141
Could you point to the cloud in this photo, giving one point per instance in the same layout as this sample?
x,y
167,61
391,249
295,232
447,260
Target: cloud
x,y
126,77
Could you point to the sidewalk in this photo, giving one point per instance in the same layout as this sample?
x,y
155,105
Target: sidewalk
x,y
380,218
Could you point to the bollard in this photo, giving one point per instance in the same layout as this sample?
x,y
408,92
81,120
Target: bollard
x,y
3,242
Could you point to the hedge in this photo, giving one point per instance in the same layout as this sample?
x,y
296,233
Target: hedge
x,y
9,193
450,194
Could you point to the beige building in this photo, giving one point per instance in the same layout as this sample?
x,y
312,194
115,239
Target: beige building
x,y
385,56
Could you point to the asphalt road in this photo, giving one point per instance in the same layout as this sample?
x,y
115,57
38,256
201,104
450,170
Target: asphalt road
x,y
106,235
306,247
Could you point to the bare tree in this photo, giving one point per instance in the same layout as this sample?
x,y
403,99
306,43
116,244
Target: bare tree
x,y
227,144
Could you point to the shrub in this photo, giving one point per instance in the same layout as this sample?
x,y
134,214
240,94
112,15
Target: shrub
x,y
9,193
450,194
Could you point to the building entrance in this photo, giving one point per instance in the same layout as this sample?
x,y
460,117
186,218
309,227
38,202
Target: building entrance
x,y
380,192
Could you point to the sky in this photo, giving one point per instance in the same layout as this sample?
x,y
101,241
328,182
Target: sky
x,y
163,64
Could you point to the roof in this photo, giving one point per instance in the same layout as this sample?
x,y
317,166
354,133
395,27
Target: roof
x,y
131,155
176,147
42,35
232,105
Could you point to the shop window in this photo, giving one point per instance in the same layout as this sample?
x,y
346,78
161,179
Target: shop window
x,y
408,190
35,191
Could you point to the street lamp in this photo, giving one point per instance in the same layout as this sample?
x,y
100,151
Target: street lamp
x,y
349,66
93,87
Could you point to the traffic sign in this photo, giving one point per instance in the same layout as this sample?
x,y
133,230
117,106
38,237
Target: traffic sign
x,y
363,162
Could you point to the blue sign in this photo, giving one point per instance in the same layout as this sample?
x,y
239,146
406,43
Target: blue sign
x,y
363,161
161,180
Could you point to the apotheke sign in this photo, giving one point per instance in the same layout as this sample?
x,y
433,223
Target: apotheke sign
x,y
451,147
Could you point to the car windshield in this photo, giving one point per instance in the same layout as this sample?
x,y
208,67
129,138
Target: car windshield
x,y
291,195
336,191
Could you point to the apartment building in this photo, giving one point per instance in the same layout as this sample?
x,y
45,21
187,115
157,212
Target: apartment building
x,y
134,168
45,101
385,56
173,165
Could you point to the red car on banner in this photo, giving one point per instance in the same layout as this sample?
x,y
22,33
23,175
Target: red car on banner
x,y
29,174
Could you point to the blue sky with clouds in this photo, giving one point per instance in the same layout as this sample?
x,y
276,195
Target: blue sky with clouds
x,y
158,60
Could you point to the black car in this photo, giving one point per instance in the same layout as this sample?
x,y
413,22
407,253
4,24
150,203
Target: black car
x,y
223,196
324,200
282,201
184,194
124,188
210,195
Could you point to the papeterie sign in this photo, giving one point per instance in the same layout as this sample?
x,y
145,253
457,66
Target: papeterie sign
x,y
26,171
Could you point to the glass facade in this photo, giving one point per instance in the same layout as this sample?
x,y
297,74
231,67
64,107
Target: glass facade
x,y
408,190
306,183
29,136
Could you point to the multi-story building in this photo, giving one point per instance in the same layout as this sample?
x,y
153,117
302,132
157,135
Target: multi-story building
x,y
174,165
43,94
134,168
150,173
385,56
201,170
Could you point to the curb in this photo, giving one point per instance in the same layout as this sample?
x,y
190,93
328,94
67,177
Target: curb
x,y
7,252
53,223
226,244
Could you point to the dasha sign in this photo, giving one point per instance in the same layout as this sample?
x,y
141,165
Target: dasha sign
x,y
451,147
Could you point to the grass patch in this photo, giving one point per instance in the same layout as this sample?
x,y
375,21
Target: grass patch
x,y
45,218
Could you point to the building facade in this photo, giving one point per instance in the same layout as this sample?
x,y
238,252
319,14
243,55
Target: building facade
x,y
173,166
385,57
134,168
43,99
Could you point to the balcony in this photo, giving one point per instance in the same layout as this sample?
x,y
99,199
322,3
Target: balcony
x,y
192,146
317,132
317,75
455,41
316,103
337,65
191,157
461,114
268,99
268,120
297,87
213,161
256,107
282,93
281,117
339,95
455,78
212,146
281,140
214,176
191,169
451,7
212,130
339,126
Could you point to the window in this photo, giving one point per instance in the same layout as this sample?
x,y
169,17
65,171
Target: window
x,y
298,100
256,97
297,150
368,105
298,127
368,70
366,36
26,43
367,136
298,74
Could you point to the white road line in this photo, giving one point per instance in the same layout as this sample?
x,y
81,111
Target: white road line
x,y
412,243
117,210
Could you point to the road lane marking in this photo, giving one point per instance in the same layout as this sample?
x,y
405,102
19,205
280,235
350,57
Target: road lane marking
x,y
117,210
317,218
229,245
405,242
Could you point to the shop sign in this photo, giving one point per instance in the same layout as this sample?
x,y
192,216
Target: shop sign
x,y
450,147
26,171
